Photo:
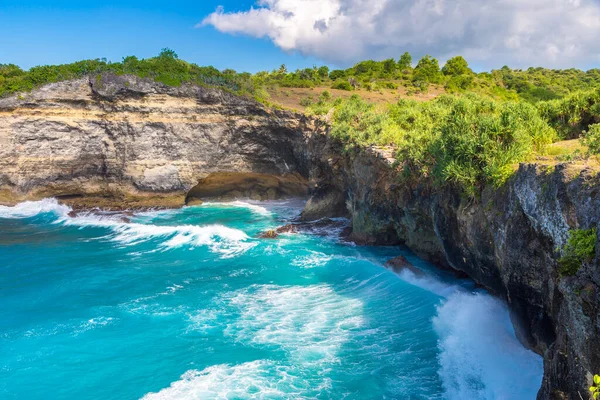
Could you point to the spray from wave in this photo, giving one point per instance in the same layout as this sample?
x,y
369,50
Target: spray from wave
x,y
480,356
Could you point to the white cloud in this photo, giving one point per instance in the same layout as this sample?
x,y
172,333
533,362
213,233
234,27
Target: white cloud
x,y
489,32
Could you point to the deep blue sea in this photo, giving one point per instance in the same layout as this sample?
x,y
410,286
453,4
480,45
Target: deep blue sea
x,y
190,304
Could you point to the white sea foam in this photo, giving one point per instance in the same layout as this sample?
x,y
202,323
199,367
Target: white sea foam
x,y
311,323
30,209
430,283
261,379
315,259
218,238
480,356
93,323
255,208
227,241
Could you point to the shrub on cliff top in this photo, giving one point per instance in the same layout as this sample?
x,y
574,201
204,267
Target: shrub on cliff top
x,y
591,139
573,114
468,141
580,248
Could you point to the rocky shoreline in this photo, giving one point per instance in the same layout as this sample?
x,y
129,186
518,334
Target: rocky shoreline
x,y
120,142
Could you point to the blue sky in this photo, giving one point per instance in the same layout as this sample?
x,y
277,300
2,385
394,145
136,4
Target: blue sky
x,y
253,35
52,32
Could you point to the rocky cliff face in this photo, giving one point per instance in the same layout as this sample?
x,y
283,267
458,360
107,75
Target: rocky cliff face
x,y
110,140
121,141
509,240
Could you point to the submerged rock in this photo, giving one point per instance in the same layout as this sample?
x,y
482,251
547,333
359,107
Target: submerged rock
x,y
270,234
400,263
289,228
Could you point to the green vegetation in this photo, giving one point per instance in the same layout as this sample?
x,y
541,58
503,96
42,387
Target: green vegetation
x,y
468,141
532,85
580,248
591,139
573,114
595,388
427,70
166,68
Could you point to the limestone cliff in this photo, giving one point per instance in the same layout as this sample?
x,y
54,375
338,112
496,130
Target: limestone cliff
x,y
509,240
111,140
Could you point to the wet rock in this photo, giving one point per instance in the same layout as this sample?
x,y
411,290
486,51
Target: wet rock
x,y
400,263
270,234
289,228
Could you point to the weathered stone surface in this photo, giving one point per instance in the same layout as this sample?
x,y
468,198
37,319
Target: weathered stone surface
x,y
251,185
123,139
400,263
508,241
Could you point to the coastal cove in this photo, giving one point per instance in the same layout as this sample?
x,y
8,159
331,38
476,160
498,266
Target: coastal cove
x,y
191,302
223,307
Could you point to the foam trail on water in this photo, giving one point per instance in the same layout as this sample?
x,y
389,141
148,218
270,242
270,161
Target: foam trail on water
x,y
311,323
261,379
218,238
240,204
28,209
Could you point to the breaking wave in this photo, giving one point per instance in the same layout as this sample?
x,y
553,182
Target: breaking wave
x,y
221,239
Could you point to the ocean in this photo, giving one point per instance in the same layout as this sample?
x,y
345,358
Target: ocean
x,y
192,304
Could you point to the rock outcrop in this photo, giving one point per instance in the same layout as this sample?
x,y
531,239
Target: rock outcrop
x,y
111,140
509,241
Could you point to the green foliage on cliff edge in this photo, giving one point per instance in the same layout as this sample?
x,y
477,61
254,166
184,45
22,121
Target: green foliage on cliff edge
x,y
531,85
595,388
166,68
580,248
468,141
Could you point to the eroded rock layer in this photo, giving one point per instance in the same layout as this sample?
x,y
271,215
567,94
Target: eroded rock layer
x,y
113,140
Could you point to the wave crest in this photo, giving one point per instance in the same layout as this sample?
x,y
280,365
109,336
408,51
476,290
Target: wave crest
x,y
28,209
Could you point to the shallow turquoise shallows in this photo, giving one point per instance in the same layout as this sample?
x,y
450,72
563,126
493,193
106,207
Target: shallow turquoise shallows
x,y
190,304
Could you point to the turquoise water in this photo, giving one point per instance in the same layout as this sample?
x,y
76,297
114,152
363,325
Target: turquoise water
x,y
190,304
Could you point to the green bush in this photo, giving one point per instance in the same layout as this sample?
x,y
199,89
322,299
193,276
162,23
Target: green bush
x,y
573,114
325,96
306,101
427,70
405,61
580,248
342,85
591,139
467,141
357,122
456,66
388,85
